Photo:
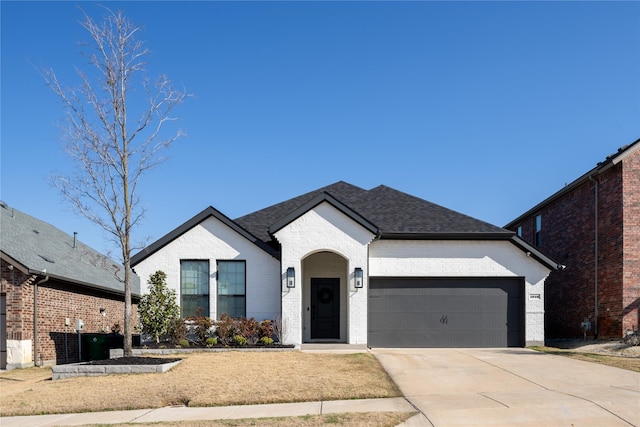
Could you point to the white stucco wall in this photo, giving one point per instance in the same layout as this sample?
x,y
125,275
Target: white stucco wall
x,y
324,228
467,258
212,240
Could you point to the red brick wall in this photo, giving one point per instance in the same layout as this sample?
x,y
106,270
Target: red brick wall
x,y
631,242
610,254
57,301
568,238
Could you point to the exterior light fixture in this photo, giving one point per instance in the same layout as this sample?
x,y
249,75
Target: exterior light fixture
x,y
291,278
357,276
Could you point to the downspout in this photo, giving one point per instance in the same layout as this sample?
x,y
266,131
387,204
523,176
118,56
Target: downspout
x,y
595,251
35,317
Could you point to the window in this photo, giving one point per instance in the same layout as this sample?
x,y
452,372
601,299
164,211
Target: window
x,y
519,231
194,288
538,236
231,288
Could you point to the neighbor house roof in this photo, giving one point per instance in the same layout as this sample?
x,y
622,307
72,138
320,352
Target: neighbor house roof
x,y
384,211
39,248
611,160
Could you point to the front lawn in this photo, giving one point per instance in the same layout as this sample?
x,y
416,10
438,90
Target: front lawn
x,y
628,363
203,379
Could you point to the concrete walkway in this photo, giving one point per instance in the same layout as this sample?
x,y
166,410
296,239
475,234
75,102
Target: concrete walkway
x,y
397,404
508,387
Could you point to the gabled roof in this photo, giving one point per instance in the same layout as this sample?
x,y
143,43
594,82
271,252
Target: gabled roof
x,y
208,212
39,248
324,197
611,160
386,212
394,213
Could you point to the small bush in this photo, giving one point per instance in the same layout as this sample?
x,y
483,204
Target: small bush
x,y
199,328
633,338
177,330
267,329
211,341
226,329
240,340
249,329
183,343
266,340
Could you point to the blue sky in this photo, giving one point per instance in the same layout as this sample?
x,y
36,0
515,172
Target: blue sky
x,y
486,108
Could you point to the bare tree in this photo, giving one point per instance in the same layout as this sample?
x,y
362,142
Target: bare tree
x,y
114,133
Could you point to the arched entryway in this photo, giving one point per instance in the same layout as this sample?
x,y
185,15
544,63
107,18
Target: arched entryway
x,y
324,295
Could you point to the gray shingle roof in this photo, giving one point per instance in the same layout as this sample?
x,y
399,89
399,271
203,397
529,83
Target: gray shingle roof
x,y
394,213
38,246
384,211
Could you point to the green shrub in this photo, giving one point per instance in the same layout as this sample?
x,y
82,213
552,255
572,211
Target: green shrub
x,y
183,343
211,341
266,340
240,340
158,308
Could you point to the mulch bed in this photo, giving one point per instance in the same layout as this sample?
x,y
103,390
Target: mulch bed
x,y
165,345
133,360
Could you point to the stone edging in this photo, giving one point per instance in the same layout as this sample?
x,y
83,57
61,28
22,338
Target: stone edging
x,y
59,372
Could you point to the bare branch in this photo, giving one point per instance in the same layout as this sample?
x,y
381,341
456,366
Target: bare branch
x,y
111,153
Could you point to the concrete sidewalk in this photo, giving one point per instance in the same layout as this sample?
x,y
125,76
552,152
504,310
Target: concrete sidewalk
x,y
397,404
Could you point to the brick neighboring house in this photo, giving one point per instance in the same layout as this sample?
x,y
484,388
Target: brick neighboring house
x,y
592,226
49,281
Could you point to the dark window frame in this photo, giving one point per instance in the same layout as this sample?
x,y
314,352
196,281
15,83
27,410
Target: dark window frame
x,y
205,296
537,220
231,296
519,231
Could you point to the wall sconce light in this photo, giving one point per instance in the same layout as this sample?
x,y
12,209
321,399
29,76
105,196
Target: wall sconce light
x,y
357,276
103,311
291,278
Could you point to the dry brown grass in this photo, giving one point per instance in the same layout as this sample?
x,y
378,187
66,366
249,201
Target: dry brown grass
x,y
369,419
628,363
203,379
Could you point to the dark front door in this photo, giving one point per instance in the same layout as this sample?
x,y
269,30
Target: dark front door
x,y
325,308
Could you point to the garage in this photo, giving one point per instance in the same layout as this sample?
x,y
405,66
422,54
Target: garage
x,y
446,312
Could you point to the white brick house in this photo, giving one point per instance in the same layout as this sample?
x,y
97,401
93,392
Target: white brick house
x,y
344,264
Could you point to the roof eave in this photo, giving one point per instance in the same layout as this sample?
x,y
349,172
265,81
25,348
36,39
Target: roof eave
x,y
600,168
84,284
191,223
445,235
536,254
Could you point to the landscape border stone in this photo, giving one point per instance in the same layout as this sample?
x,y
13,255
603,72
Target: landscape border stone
x,y
59,372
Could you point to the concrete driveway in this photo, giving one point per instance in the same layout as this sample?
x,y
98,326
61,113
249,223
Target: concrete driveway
x,y
511,387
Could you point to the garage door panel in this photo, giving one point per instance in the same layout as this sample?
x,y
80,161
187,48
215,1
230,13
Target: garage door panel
x,y
445,312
